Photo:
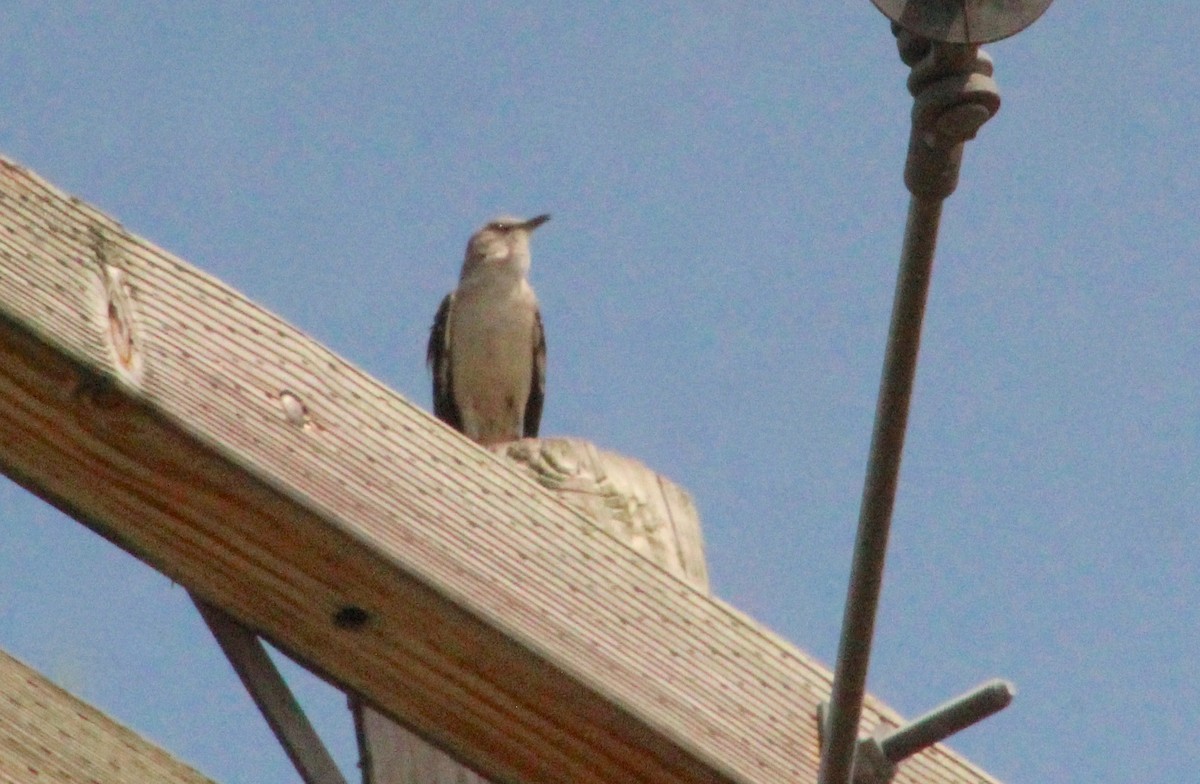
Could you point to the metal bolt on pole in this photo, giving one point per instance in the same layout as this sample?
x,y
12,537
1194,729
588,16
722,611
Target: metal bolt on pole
x,y
947,719
876,757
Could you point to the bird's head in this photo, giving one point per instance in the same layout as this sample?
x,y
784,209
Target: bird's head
x,y
503,244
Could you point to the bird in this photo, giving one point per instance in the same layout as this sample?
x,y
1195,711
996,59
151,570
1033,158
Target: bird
x,y
487,347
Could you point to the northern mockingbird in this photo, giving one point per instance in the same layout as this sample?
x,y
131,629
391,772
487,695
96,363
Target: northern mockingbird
x,y
487,350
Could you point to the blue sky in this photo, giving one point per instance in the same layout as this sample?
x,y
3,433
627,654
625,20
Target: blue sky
x,y
716,282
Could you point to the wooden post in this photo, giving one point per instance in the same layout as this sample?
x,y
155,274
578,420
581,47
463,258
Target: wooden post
x,y
621,496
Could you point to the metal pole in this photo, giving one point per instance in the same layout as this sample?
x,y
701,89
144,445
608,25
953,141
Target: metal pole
x,y
879,491
954,95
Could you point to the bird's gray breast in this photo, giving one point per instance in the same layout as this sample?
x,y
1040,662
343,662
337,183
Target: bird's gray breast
x,y
491,348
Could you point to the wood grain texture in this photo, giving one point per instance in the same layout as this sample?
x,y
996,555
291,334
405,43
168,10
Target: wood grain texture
x,y
646,511
636,506
46,735
272,478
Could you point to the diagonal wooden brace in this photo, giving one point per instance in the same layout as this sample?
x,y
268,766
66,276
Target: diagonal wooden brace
x,y
272,696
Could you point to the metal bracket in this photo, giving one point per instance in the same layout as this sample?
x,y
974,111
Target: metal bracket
x,y
877,757
272,696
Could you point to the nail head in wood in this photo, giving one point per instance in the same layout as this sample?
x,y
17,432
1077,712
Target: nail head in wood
x,y
294,410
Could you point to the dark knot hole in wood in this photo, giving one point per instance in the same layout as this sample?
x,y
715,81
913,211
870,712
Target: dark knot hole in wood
x,y
351,617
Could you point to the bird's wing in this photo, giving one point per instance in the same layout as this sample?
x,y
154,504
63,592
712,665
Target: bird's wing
x,y
537,384
438,358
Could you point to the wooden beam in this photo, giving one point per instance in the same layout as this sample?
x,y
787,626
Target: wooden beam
x,y
46,735
643,509
275,480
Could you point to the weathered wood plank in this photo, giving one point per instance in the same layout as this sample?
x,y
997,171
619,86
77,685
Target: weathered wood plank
x,y
645,510
274,479
46,735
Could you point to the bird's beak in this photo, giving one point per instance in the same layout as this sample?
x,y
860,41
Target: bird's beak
x,y
533,223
